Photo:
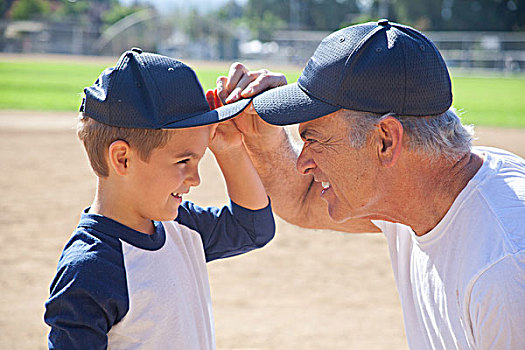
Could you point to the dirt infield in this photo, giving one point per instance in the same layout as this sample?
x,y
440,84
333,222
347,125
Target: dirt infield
x,y
306,290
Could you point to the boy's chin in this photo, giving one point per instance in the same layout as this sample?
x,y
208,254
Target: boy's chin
x,y
168,213
170,217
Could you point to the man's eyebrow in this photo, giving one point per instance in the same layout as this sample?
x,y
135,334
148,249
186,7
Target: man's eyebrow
x,y
308,132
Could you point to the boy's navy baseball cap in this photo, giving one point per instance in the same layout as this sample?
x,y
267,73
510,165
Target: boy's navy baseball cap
x,y
378,67
150,91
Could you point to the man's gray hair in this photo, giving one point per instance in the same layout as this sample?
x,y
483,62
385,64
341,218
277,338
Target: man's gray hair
x,y
436,136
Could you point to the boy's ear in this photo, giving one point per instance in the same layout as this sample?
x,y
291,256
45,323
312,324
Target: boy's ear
x,y
119,152
390,133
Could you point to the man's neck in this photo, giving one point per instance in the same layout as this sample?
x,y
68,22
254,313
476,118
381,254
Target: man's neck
x,y
432,189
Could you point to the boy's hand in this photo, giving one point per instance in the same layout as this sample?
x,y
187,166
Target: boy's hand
x,y
224,136
213,99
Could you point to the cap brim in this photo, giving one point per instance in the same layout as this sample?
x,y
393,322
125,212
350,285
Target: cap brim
x,y
289,104
214,116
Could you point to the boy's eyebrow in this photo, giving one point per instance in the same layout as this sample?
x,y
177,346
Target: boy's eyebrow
x,y
188,154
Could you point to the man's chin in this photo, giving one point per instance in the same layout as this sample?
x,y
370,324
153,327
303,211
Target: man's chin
x,y
337,216
340,214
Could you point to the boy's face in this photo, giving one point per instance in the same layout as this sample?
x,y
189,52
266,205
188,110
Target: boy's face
x,y
156,187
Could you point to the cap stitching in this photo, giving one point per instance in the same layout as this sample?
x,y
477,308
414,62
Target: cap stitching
x,y
403,106
410,31
365,39
150,76
312,96
117,72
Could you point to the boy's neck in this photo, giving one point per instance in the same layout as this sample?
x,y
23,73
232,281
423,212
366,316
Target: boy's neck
x,y
110,203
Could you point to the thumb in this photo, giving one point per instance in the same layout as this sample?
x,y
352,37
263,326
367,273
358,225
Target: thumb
x,y
217,99
210,99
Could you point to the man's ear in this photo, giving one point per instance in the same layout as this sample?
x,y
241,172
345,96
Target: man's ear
x,y
118,154
391,141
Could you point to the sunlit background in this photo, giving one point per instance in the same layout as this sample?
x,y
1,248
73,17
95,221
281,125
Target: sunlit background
x,y
307,289
472,34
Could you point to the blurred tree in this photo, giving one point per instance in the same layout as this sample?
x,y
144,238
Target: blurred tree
x,y
229,11
265,16
71,9
264,26
118,12
489,15
105,12
328,14
28,9
3,8
503,15
195,25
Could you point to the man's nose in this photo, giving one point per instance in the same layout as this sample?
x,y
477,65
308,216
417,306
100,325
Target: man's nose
x,y
305,164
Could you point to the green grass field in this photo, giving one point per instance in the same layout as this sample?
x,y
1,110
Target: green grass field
x,y
58,86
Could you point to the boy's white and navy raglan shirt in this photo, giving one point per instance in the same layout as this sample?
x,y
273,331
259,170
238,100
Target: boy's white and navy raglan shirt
x,y
118,288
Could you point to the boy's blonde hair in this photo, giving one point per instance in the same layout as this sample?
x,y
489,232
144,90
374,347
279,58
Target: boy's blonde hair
x,y
97,137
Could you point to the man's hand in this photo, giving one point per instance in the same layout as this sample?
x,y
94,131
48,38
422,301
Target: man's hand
x,y
242,83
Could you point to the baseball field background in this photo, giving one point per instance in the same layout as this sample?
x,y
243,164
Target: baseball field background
x,y
55,85
307,289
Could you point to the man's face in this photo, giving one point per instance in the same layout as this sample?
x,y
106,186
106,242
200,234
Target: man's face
x,y
348,174
159,183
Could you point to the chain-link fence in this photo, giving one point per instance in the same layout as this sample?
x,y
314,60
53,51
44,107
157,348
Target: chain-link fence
x,y
496,51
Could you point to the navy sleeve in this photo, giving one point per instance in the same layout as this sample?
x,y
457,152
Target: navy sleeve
x,y
88,294
230,230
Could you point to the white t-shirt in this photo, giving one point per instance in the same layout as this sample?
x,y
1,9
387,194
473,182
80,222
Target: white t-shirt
x,y
462,285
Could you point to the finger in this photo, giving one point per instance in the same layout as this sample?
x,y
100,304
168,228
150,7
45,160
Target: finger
x,y
251,109
235,95
264,82
213,130
229,125
237,71
245,118
221,90
210,99
217,99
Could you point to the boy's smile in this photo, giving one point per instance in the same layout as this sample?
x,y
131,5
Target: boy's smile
x,y
169,173
153,189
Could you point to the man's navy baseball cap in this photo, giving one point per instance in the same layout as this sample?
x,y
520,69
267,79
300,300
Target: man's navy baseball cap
x,y
150,91
378,67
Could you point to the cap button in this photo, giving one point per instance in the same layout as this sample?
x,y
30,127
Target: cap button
x,y
383,22
136,49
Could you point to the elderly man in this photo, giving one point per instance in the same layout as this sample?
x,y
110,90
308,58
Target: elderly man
x,y
384,151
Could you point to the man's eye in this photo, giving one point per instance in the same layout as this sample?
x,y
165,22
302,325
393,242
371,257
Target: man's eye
x,y
184,161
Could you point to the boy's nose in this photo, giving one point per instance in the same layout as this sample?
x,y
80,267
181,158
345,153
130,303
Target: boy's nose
x,y
194,179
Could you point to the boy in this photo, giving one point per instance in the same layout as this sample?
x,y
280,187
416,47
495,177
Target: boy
x,y
133,274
